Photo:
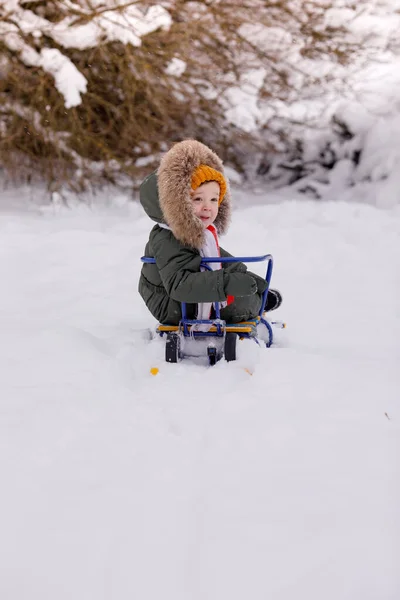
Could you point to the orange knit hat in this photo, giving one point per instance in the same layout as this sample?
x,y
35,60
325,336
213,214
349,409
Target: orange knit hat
x,y
204,173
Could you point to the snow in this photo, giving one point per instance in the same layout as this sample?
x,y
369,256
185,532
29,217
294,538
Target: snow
x,y
373,22
127,27
242,102
68,80
376,141
176,67
198,482
273,477
371,78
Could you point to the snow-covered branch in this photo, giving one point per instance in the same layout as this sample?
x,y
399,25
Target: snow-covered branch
x,y
20,29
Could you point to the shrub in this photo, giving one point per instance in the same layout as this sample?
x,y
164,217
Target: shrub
x,y
93,90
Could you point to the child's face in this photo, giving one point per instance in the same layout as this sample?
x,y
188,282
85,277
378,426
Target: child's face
x,y
205,202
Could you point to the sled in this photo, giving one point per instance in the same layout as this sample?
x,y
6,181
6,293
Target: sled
x,y
220,339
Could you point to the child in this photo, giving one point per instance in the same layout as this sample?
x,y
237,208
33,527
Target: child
x,y
189,199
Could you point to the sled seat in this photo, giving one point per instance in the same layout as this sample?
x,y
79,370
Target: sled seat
x,y
245,327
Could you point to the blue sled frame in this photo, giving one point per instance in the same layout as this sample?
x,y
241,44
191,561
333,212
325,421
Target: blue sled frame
x,y
220,327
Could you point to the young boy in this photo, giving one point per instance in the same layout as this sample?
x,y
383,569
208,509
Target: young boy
x,y
188,197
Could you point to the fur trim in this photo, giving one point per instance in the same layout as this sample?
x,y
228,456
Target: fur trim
x,y
174,177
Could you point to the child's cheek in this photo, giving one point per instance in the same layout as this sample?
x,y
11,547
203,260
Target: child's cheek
x,y
195,208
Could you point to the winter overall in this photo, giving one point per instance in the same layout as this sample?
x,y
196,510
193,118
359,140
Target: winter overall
x,y
176,243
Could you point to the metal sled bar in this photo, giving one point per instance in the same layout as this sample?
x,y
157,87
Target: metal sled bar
x,y
268,280
237,328
232,259
216,259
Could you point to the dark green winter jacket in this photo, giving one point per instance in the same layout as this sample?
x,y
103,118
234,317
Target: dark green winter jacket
x,y
176,275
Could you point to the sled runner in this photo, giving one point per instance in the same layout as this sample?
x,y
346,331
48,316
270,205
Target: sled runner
x,y
214,337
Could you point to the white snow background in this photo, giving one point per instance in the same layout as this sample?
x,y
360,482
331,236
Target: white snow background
x,y
274,477
199,482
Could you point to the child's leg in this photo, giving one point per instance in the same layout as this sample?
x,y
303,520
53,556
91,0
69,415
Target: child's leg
x,y
242,309
248,307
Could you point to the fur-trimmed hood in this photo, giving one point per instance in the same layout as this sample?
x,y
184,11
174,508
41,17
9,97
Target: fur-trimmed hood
x,y
165,195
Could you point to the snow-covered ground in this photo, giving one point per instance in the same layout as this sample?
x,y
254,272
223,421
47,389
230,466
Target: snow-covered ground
x,y
199,483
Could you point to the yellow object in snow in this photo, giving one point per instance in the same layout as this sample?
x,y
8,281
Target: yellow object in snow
x,y
154,370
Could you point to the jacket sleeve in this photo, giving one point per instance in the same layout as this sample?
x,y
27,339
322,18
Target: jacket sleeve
x,y
232,267
179,268
239,267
